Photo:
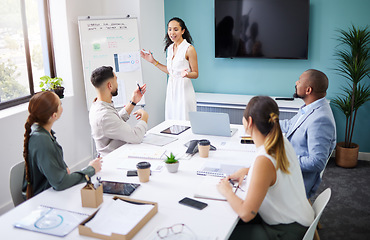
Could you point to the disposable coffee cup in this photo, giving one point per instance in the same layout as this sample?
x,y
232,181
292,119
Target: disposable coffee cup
x,y
143,171
203,147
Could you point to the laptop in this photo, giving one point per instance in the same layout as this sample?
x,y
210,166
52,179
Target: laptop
x,y
211,123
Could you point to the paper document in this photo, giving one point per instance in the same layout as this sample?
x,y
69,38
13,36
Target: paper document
x,y
208,190
118,216
127,62
158,140
51,221
148,154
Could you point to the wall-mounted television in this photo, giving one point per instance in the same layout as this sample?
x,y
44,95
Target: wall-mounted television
x,y
261,29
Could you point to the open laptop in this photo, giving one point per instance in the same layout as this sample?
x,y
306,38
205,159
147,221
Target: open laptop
x,y
210,123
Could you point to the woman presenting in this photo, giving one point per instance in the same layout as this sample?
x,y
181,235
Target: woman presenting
x,y
182,65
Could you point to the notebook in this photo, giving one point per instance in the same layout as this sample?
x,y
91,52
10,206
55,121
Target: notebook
x,y
216,169
208,190
52,221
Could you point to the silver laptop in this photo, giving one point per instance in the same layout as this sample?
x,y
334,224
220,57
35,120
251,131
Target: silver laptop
x,y
210,123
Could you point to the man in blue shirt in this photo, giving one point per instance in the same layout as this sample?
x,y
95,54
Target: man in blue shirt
x,y
312,131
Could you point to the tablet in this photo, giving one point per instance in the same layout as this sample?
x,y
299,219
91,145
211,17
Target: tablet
x,y
120,188
175,129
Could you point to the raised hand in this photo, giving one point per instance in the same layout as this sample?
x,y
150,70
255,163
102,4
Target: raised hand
x,y
147,55
137,95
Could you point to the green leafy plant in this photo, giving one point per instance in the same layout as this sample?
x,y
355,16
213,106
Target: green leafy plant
x,y
353,57
171,159
48,83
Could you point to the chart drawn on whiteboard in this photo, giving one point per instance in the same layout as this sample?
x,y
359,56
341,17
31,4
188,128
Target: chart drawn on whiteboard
x,y
111,42
127,62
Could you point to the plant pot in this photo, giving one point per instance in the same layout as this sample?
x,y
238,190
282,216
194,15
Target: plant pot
x,y
346,157
172,167
59,91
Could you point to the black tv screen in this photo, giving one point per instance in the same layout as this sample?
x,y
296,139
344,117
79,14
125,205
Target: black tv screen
x,y
261,29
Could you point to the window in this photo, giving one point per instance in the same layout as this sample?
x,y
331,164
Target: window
x,y
25,49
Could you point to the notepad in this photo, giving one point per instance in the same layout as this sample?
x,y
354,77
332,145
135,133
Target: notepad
x,y
118,216
208,190
52,221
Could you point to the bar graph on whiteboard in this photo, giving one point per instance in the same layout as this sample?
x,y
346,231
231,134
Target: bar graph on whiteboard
x,y
127,62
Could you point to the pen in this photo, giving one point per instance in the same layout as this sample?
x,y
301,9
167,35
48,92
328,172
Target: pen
x,y
139,88
231,182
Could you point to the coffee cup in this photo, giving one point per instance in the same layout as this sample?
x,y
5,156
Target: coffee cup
x,y
143,171
204,147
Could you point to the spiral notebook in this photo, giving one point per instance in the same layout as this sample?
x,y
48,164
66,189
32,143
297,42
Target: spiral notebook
x,y
216,169
208,190
52,221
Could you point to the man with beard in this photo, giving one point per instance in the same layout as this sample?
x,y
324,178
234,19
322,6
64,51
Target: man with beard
x,y
312,131
109,127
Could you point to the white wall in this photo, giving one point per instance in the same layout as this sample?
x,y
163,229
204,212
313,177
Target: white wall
x,y
73,130
150,14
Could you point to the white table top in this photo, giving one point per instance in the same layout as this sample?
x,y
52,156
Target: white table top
x,y
218,219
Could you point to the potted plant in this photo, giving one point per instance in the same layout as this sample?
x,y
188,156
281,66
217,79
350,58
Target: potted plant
x,y
353,55
172,163
52,84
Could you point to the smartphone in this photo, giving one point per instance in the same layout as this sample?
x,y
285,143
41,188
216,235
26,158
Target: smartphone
x,y
132,173
193,203
246,141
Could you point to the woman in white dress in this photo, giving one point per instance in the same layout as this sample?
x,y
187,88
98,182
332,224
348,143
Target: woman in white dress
x,y
182,66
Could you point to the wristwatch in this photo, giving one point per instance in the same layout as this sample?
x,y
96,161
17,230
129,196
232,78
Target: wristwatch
x,y
133,103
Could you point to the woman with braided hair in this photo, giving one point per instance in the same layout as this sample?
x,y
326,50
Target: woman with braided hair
x,y
275,206
43,156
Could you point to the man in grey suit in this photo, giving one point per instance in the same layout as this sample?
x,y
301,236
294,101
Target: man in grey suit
x,y
312,131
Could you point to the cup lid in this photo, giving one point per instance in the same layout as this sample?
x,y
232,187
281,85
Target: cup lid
x,y
204,142
143,165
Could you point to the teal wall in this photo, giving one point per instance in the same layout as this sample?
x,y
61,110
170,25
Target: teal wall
x,y
272,76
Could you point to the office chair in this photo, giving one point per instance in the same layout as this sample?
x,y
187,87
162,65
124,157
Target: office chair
x,y
16,181
318,206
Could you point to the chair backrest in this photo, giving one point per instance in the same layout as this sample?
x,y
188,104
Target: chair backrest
x,y
16,182
327,160
318,206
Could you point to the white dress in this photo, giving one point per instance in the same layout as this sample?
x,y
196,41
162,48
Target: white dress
x,y
180,99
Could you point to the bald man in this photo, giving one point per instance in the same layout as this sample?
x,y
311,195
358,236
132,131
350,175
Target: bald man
x,y
312,131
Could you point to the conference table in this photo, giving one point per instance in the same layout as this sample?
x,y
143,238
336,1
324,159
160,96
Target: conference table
x,y
216,221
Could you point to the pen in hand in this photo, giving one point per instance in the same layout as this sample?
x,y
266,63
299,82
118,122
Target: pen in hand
x,y
236,187
139,88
